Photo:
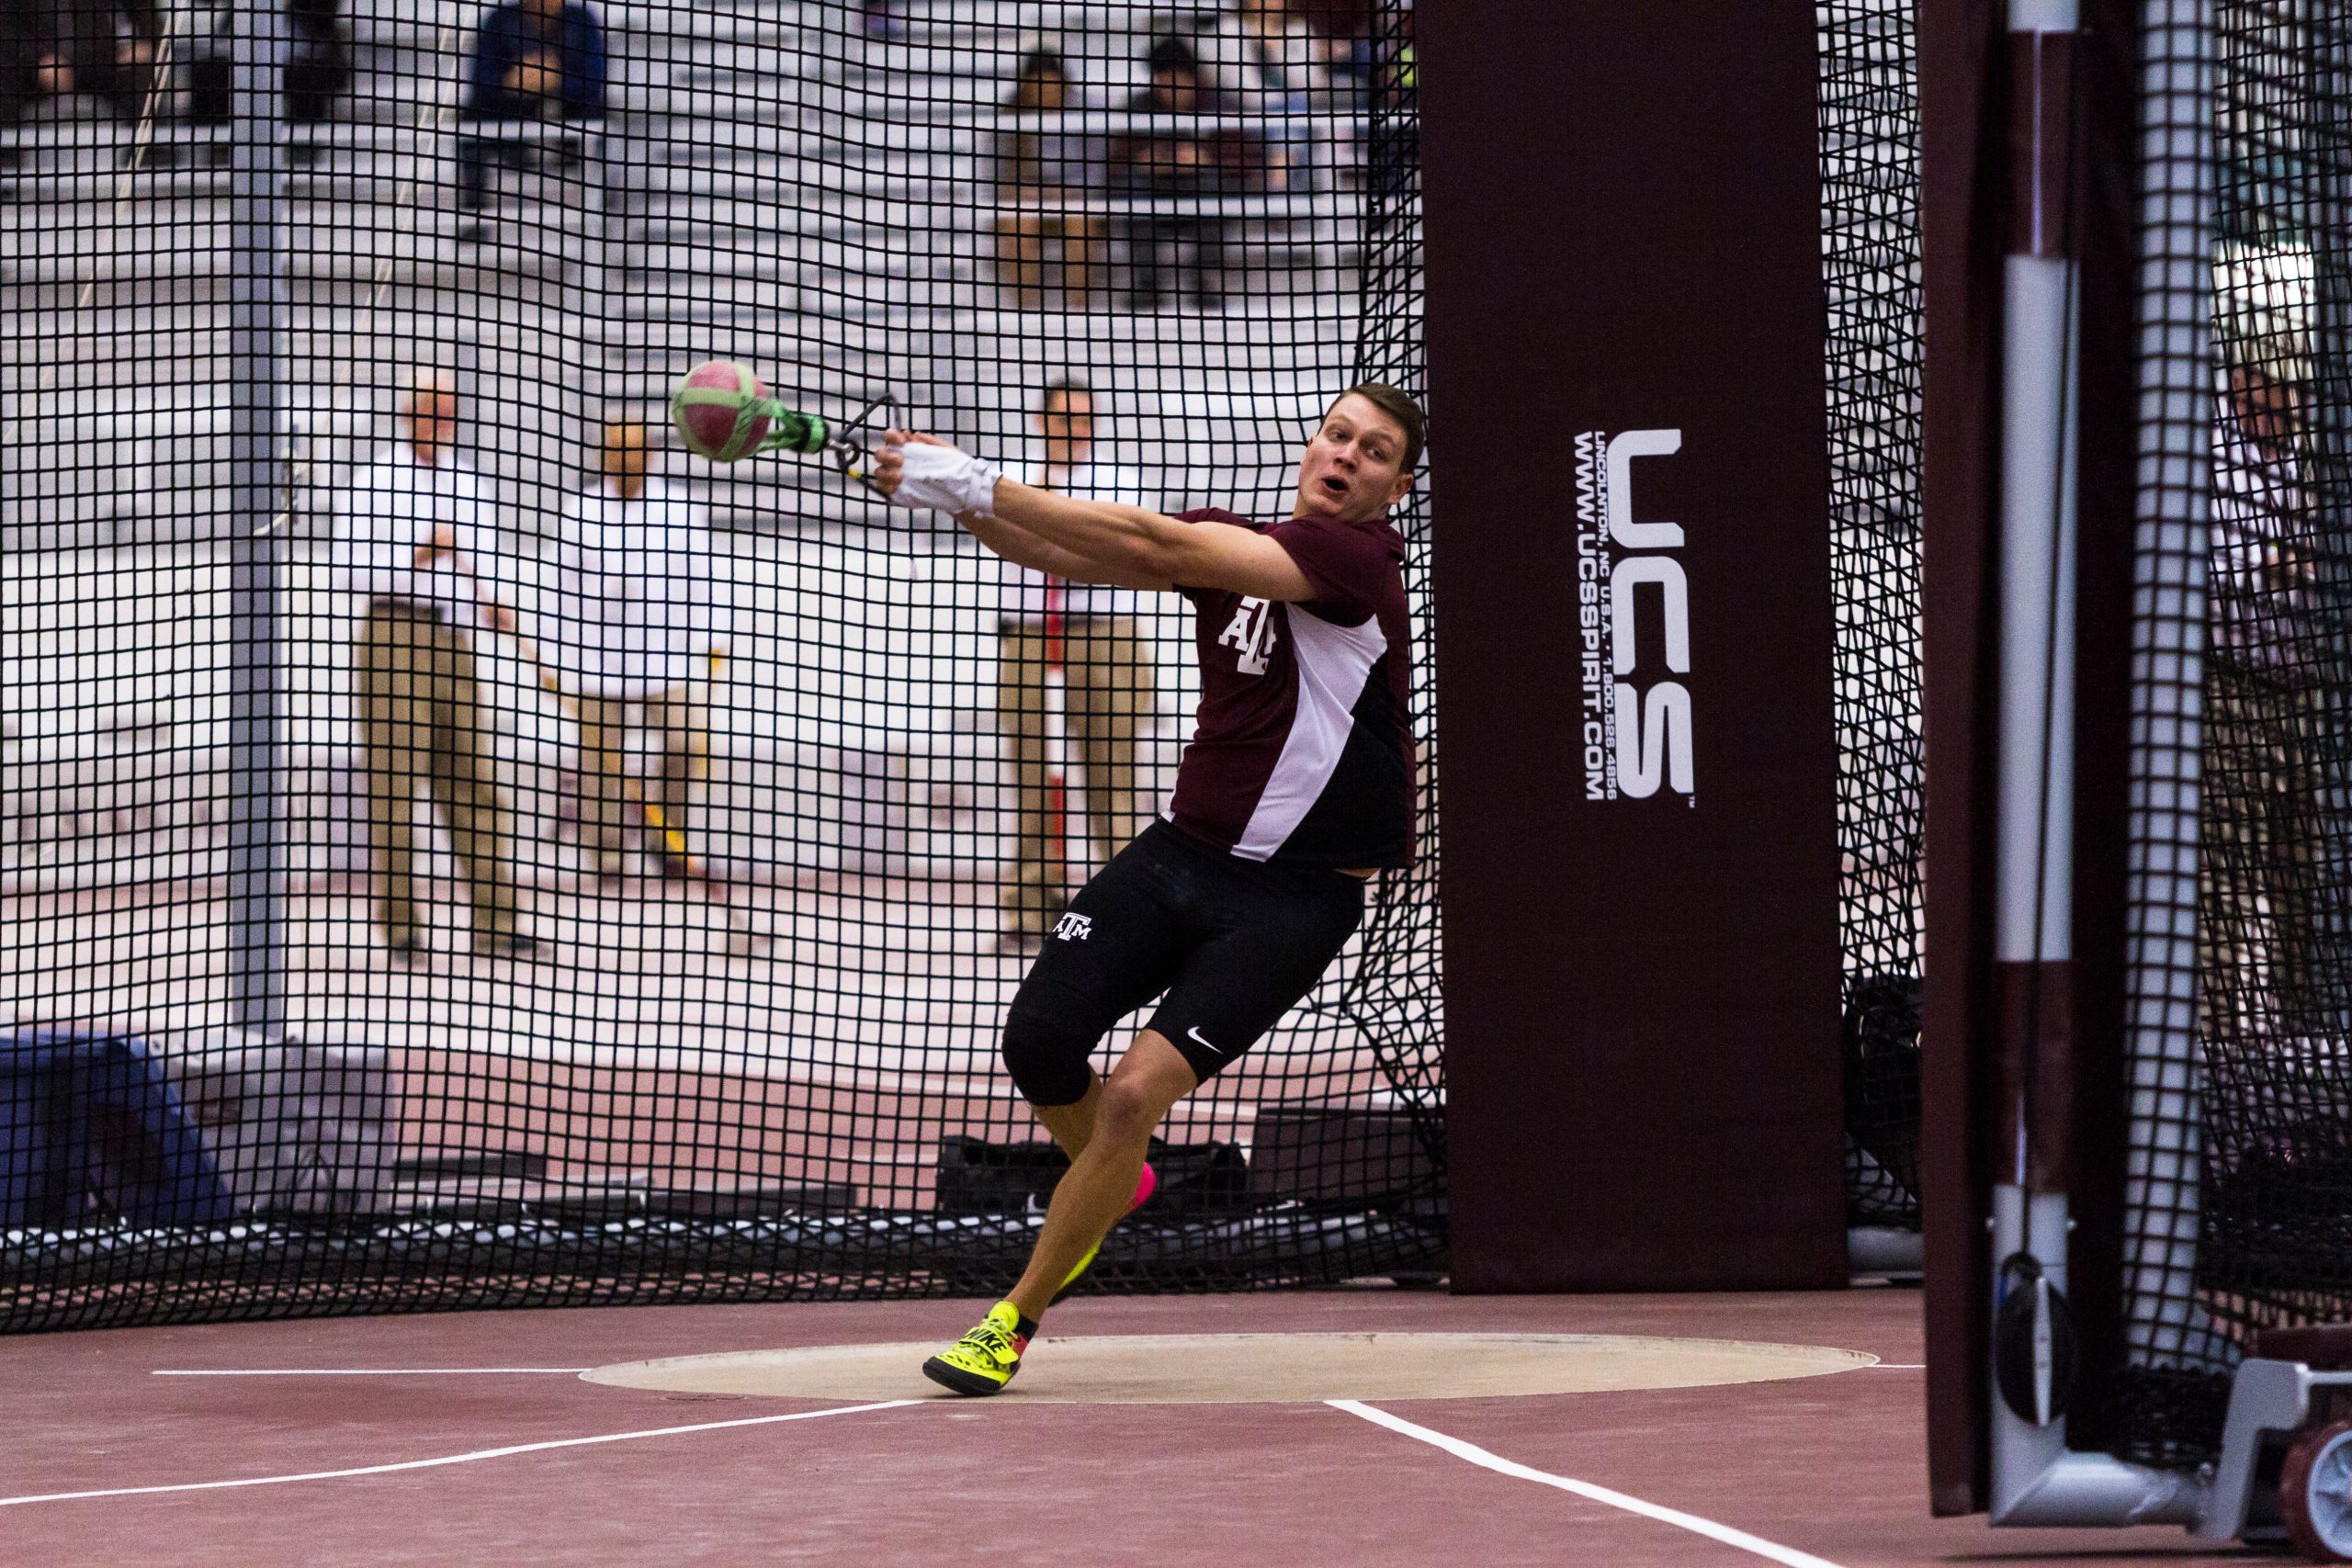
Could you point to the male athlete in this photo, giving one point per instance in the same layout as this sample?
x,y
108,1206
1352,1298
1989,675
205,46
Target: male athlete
x,y
1297,786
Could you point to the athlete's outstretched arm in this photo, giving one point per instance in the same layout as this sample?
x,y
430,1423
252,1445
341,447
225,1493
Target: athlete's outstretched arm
x,y
1025,548
1171,553
1142,548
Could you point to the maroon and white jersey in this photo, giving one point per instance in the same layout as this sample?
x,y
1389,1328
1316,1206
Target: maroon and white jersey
x,y
1301,751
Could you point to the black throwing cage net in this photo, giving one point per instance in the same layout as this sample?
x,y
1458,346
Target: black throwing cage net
x,y
2239,1199
1870,178
464,850
457,848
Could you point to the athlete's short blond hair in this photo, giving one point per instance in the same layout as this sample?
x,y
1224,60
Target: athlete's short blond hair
x,y
1399,407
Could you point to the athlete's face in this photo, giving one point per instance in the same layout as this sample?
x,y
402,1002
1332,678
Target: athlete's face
x,y
1354,466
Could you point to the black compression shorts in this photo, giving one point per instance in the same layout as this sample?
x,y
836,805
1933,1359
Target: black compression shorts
x,y
1234,943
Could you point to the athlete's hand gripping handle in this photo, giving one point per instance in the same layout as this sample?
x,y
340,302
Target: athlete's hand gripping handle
x,y
918,470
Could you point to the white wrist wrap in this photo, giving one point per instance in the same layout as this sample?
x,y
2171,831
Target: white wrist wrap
x,y
945,479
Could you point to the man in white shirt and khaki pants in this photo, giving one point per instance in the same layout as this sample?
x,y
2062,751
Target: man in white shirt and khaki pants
x,y
408,546
643,626
1107,682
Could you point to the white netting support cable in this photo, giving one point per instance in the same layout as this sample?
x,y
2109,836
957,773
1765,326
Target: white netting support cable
x,y
2164,1327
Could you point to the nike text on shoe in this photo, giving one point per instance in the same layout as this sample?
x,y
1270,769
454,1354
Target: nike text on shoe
x,y
984,1360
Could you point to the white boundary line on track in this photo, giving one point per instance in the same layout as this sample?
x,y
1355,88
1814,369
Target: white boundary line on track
x,y
365,1371
458,1458
1787,1556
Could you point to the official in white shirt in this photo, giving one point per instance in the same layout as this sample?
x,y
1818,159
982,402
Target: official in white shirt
x,y
1088,633
410,542
642,636
2268,717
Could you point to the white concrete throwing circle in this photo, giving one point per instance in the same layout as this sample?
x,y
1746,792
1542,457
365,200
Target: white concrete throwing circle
x,y
1253,1368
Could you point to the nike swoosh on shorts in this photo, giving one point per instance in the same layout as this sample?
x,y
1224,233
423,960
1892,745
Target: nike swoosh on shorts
x,y
1194,1032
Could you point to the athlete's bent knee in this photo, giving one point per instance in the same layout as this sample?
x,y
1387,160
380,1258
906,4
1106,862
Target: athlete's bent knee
x,y
1046,1055
1126,1113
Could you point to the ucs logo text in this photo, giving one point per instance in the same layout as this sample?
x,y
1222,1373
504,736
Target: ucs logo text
x,y
1636,740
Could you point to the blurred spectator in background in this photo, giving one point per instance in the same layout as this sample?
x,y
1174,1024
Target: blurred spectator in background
x,y
1107,682
1394,85
642,636
1350,26
318,67
318,62
2275,921
534,60
2262,548
1044,248
20,56
1266,61
412,546
1181,164
102,50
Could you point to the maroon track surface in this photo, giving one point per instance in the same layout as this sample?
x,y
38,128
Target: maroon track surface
x,y
1830,1465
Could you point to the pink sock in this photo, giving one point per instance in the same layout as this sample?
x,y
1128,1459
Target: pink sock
x,y
1145,1185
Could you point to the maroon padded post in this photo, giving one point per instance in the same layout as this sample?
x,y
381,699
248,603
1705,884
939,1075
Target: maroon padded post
x,y
1962,157
1973,210
1641,939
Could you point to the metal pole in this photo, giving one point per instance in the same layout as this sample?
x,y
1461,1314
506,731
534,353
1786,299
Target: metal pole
x,y
257,481
2033,916
2036,1478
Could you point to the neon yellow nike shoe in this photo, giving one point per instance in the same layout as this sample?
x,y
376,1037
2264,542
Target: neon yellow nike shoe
x,y
1145,1185
984,1360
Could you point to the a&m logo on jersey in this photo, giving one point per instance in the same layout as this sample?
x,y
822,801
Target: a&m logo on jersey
x,y
1252,632
1635,727
1074,927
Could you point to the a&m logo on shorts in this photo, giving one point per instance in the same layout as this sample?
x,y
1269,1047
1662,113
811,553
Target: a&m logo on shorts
x,y
1073,928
